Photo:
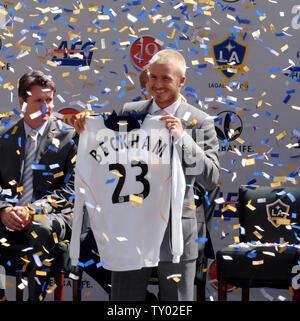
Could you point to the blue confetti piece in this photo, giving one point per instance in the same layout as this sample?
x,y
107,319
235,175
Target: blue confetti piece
x,y
275,69
291,197
67,178
201,239
110,181
287,98
52,148
122,94
296,132
88,263
100,264
251,182
19,141
38,167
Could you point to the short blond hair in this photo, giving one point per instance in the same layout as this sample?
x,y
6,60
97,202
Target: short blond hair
x,y
170,56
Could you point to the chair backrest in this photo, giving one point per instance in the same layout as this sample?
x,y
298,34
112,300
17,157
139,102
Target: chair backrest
x,y
269,214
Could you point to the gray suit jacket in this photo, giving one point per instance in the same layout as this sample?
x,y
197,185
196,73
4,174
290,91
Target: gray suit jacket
x,y
198,150
45,182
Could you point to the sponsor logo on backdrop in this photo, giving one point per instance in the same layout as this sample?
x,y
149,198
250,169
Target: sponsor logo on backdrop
x,y
229,56
79,54
2,16
294,73
295,23
142,50
277,213
229,127
69,115
235,85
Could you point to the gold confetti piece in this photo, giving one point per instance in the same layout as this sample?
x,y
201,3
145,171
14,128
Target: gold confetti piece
x,y
45,249
37,217
163,218
5,244
258,262
240,140
69,82
283,221
22,47
281,135
105,236
73,159
3,12
284,48
41,273
136,200
257,234
47,263
53,287
118,174
277,184
268,253
236,226
34,235
73,19
235,291
19,189
176,279
272,28
9,284
25,260
88,293
59,174
173,33
193,207
236,239
193,122
251,207
123,29
65,74
55,237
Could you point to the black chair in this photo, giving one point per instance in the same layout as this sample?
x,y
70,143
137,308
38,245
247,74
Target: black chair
x,y
62,268
269,245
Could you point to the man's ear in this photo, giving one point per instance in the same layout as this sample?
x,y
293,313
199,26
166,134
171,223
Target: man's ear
x,y
182,81
21,101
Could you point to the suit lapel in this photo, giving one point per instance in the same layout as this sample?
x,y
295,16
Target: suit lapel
x,y
181,111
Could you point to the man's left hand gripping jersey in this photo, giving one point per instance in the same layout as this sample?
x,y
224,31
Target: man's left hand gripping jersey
x,y
128,181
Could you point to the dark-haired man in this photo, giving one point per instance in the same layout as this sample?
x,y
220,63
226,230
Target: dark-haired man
x,y
36,178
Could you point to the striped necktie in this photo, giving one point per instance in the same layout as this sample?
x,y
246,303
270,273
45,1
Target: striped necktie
x,y
28,173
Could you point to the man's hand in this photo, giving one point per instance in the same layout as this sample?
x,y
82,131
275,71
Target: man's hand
x,y
80,123
174,125
15,218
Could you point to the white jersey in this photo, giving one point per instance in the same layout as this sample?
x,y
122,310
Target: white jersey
x,y
128,181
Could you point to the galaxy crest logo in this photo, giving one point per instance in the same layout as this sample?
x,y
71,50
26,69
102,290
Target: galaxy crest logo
x,y
229,56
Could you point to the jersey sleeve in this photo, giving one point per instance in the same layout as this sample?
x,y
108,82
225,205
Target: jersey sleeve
x,y
79,201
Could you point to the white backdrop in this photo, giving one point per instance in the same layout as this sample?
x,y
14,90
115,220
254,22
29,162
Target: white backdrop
x,y
97,73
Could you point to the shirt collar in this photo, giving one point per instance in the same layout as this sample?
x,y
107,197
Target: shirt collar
x,y
171,110
40,129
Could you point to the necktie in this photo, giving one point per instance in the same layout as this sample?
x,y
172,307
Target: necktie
x,y
28,173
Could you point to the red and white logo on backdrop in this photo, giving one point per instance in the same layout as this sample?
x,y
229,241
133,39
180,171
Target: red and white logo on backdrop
x,y
69,115
142,50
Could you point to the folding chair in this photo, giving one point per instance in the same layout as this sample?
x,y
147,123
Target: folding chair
x,y
269,243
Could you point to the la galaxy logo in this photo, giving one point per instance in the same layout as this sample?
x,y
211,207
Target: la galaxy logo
x,y
229,56
277,213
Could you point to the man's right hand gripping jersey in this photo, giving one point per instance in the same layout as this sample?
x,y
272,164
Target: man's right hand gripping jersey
x,y
129,180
